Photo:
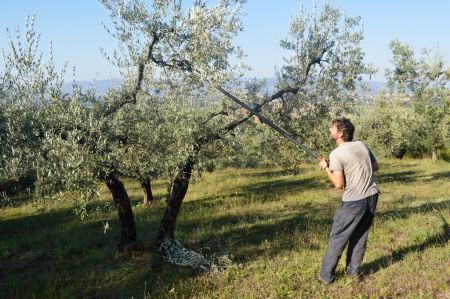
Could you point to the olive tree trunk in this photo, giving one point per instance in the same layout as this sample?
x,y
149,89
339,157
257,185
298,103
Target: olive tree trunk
x,y
177,193
147,188
128,240
399,153
434,155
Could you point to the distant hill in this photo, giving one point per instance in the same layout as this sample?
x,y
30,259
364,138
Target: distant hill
x,y
373,86
101,86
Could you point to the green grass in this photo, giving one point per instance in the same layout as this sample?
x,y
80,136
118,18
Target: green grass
x,y
273,224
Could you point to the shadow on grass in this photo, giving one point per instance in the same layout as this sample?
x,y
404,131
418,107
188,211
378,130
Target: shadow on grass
x,y
285,186
268,237
409,176
399,176
48,244
266,190
440,175
406,212
440,239
40,253
273,173
37,250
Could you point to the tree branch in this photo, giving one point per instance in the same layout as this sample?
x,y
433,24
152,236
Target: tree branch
x,y
130,98
212,115
294,90
277,95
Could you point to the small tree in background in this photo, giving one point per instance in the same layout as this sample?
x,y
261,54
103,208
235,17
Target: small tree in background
x,y
426,79
27,81
386,125
432,110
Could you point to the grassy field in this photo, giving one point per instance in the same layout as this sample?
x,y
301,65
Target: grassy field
x,y
273,225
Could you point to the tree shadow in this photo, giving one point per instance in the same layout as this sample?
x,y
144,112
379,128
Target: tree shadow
x,y
440,239
37,247
244,234
400,176
247,236
283,186
409,176
41,252
439,176
407,211
247,244
273,173
265,190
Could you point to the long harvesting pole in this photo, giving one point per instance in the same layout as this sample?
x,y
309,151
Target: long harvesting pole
x,y
269,123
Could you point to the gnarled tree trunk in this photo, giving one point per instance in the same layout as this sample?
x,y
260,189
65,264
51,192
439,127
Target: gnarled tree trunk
x,y
128,240
434,155
148,196
179,188
399,153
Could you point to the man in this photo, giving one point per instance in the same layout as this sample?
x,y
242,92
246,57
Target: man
x,y
350,168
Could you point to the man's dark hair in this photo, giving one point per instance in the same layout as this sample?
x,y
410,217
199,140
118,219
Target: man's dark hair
x,y
345,126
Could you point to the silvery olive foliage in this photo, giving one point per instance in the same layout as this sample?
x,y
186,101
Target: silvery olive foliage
x,y
168,110
75,141
68,158
49,140
386,125
317,81
425,79
196,40
412,74
27,80
170,52
148,138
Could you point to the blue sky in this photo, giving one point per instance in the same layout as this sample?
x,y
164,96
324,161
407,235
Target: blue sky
x,y
75,28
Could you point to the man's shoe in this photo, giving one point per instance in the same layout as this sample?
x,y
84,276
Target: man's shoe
x,y
323,281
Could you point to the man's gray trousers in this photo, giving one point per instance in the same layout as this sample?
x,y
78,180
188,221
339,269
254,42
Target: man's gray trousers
x,y
351,224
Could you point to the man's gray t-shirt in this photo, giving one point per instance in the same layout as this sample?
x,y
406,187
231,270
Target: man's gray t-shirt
x,y
355,159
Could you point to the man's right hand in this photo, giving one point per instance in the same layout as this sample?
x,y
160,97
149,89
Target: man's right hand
x,y
323,163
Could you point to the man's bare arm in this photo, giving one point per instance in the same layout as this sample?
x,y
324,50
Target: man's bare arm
x,y
336,177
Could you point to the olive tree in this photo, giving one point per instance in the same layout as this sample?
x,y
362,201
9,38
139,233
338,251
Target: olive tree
x,y
316,82
26,82
195,46
59,142
386,125
163,35
426,79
